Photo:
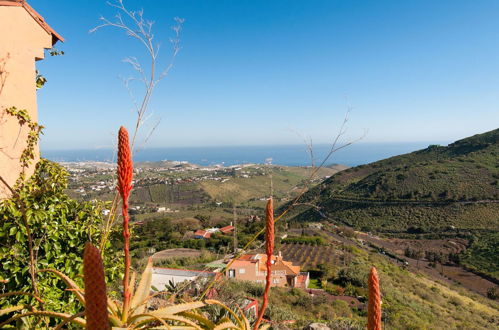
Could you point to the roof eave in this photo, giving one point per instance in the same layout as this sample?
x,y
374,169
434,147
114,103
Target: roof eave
x,y
36,16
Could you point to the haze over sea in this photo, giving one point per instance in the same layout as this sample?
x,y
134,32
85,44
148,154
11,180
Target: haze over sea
x,y
288,155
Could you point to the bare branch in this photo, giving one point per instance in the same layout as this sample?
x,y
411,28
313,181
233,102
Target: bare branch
x,y
135,26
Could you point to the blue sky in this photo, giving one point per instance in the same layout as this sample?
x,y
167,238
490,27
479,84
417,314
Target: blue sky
x,y
252,72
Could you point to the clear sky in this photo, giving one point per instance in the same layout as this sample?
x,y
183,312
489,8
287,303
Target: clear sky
x,y
252,72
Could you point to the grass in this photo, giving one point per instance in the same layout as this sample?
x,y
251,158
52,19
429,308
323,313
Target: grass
x,y
314,283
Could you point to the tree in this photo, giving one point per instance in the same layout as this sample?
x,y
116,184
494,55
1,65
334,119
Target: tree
x,y
418,255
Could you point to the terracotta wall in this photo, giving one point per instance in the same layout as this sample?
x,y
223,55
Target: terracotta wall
x,y
22,41
251,273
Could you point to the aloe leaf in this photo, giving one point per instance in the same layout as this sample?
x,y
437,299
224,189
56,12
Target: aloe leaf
x,y
69,282
200,318
154,318
140,297
225,325
178,308
216,302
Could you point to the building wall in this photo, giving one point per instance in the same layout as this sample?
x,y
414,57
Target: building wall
x,y
160,281
248,271
22,41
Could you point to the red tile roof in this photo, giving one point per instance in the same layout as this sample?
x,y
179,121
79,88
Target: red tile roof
x,y
279,263
202,233
36,16
227,229
247,257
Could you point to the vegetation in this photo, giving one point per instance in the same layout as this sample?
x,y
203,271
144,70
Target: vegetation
x,y
482,254
310,256
58,227
313,240
409,301
163,233
439,191
432,188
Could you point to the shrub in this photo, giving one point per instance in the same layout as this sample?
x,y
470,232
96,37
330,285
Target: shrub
x,y
335,290
355,274
59,227
492,293
342,308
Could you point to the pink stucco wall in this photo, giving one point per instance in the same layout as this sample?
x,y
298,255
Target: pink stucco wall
x,y
246,270
22,41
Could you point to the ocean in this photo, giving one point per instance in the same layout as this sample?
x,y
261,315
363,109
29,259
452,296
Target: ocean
x,y
288,155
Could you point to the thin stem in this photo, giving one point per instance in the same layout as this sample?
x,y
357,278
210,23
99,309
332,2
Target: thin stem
x,y
126,248
141,30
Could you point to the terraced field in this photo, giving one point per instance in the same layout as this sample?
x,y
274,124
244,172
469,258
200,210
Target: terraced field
x,y
310,256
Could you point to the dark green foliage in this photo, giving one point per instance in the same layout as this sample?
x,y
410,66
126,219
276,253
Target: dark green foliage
x,y
429,189
355,274
159,233
290,304
313,240
59,227
483,253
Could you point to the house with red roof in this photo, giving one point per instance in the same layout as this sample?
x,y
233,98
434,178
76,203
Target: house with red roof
x,y
252,267
227,229
201,233
206,233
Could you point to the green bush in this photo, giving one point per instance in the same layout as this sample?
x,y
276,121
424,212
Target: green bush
x,y
59,228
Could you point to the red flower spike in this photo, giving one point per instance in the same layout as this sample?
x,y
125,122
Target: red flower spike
x,y
95,289
374,304
125,176
125,165
269,247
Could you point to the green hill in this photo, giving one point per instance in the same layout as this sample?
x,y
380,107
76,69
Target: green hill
x,y
433,188
466,170
438,191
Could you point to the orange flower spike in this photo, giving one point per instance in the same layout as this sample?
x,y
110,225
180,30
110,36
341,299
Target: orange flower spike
x,y
269,247
125,176
95,289
269,228
374,304
125,165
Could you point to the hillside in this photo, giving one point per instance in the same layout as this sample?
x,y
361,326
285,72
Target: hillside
x,y
436,187
435,192
249,185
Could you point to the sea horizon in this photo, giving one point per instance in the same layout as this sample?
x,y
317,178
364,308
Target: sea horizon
x,y
286,155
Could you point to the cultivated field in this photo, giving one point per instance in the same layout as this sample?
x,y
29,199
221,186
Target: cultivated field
x,y
309,256
176,253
